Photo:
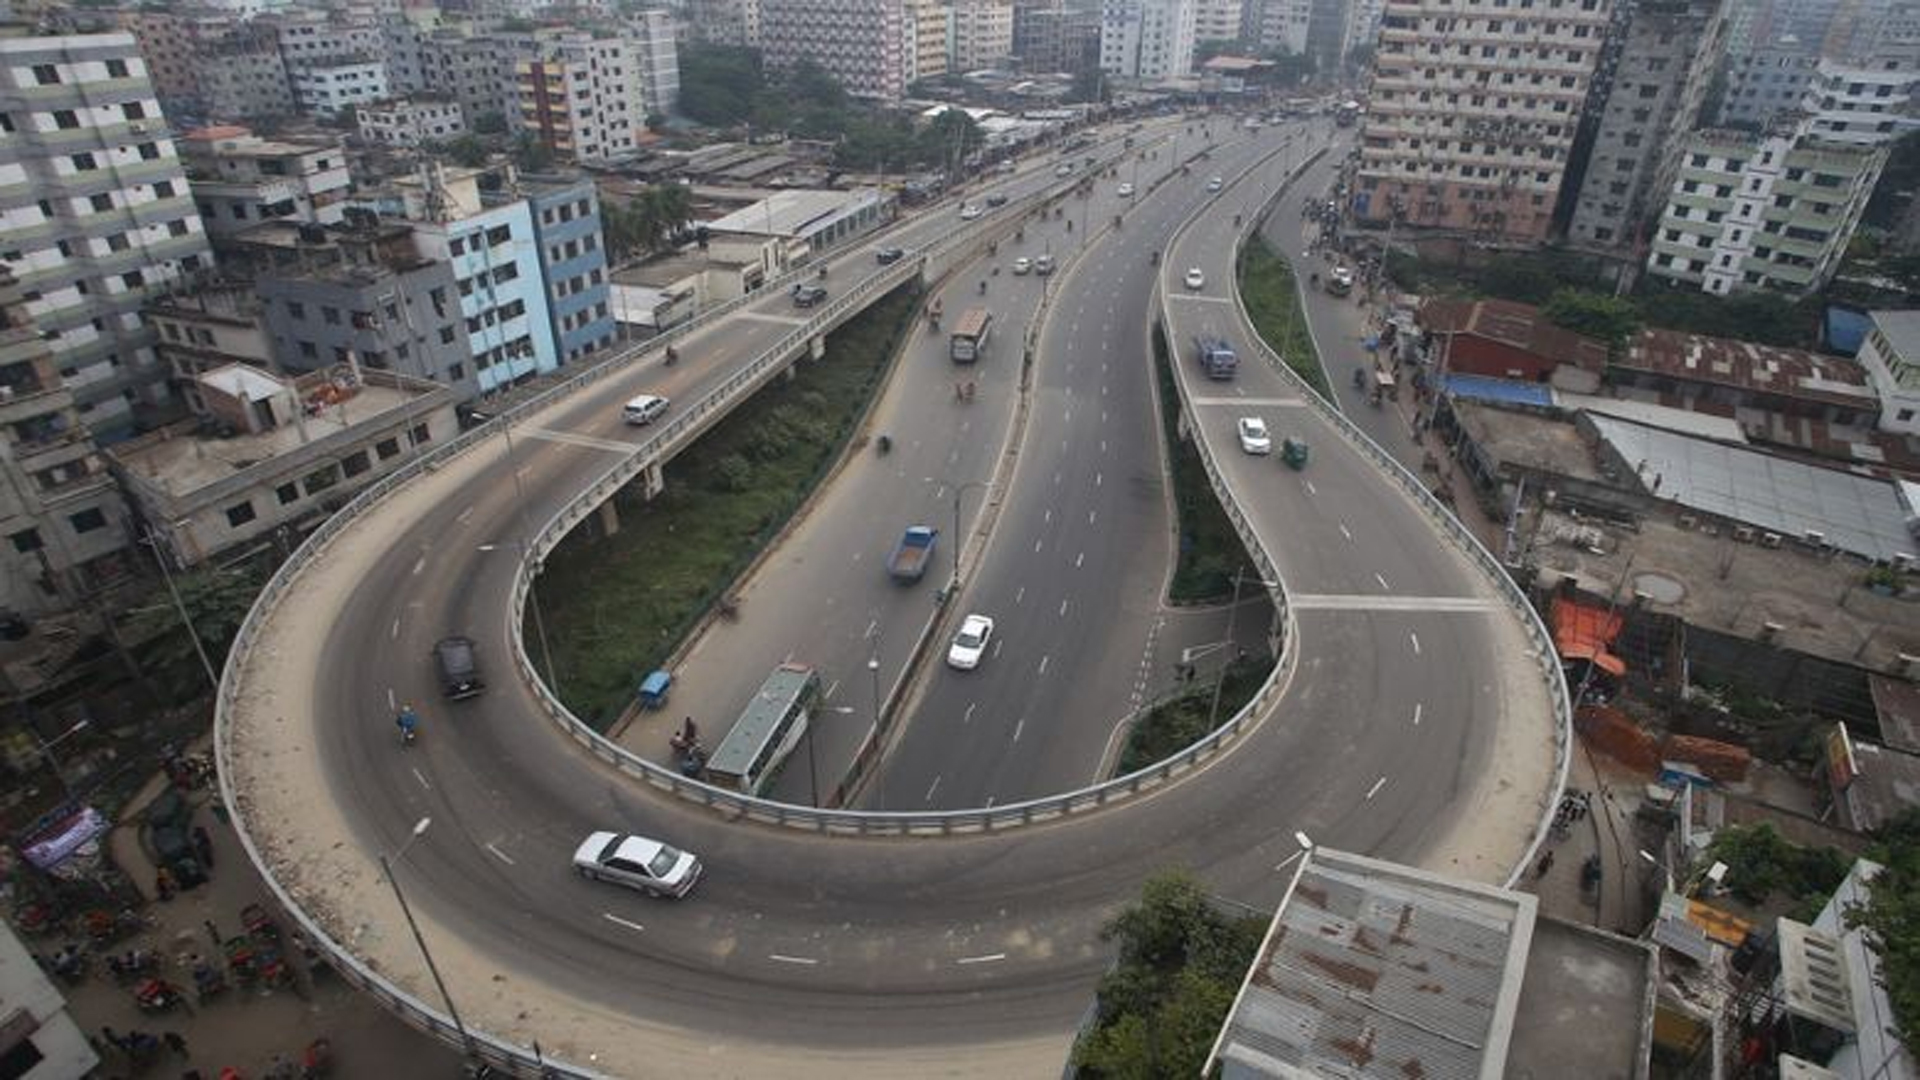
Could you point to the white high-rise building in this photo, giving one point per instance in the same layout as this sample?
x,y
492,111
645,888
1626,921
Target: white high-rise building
x,y
1216,20
862,43
1147,39
583,96
656,59
982,34
1283,25
103,218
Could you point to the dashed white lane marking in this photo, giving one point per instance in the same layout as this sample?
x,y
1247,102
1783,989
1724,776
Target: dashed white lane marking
x,y
762,316
1197,298
1018,728
1383,582
931,788
612,918
1311,490
464,515
1092,516
1464,605
871,627
1416,714
1415,638
1375,789
1043,664
1063,609
1047,518
1097,478
1344,533
972,705
391,700
987,959
419,565
1037,543
395,633
1288,861
783,958
1020,594
418,775
1078,559
498,854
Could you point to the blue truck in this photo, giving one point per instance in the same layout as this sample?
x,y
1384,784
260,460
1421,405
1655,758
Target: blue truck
x,y
908,562
1215,357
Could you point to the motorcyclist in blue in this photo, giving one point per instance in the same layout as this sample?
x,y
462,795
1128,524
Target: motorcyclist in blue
x,y
407,721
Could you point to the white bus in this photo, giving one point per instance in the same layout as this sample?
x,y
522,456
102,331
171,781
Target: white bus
x,y
970,335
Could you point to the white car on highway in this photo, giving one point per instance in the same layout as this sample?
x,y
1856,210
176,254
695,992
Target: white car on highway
x,y
1126,191
1215,184
1022,265
654,868
969,211
1253,436
1195,279
970,644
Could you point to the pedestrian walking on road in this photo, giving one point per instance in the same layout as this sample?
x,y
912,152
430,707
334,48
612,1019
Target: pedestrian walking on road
x,y
174,1042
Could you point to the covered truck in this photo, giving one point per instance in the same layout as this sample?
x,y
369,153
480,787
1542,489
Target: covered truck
x,y
1215,357
909,559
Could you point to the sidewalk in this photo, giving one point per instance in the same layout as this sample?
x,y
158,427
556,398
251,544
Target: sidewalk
x,y
241,1028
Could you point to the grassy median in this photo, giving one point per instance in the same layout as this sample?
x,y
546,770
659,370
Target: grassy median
x,y
616,606
1209,549
1273,303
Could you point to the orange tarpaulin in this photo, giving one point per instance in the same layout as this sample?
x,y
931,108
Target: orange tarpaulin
x,y
1581,632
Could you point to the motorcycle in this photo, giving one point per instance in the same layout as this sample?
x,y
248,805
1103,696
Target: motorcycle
x,y
883,444
134,963
673,356
158,996
409,725
983,286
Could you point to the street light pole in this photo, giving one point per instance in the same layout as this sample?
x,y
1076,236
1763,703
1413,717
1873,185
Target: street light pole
x,y
1233,612
386,867
873,671
524,542
958,540
173,590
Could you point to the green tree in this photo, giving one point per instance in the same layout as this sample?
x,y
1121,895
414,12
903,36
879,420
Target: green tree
x,y
656,121
1090,86
1891,918
1609,319
530,154
216,602
719,83
489,123
467,150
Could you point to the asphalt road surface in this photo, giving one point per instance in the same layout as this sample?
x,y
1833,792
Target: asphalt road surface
x,y
803,954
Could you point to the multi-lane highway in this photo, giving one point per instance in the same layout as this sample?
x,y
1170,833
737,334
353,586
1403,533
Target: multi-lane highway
x,y
1407,722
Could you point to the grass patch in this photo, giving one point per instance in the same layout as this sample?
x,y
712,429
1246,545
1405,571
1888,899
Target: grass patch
x,y
1273,302
1174,725
1209,548
616,606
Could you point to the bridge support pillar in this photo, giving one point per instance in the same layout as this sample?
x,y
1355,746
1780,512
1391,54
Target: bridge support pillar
x,y
653,481
817,347
609,518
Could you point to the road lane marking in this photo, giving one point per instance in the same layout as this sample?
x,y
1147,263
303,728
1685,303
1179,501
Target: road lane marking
x,y
421,777
1018,728
1462,605
1078,559
1344,533
1416,714
1096,479
1020,594
464,515
1288,861
967,716
1415,638
392,702
931,788
1047,517
1092,515
871,627
419,565
571,439
498,854
612,918
1375,789
1383,582
785,959
828,696
396,628
986,959
1063,609
1311,490
1036,545
1043,664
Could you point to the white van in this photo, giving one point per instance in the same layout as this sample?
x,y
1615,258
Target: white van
x,y
645,409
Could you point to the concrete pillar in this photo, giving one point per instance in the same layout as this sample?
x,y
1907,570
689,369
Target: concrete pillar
x,y
817,347
653,480
609,518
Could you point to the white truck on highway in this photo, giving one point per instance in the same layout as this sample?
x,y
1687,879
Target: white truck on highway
x,y
970,335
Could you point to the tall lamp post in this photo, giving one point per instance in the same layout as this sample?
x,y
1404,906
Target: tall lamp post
x,y
958,540
154,541
524,540
386,867
1233,612
873,672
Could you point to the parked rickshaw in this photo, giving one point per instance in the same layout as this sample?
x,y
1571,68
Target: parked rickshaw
x,y
655,688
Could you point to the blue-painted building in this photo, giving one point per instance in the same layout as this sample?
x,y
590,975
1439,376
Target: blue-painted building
x,y
573,261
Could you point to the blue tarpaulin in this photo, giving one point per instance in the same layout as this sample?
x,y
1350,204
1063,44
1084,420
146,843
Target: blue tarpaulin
x,y
1846,329
1503,391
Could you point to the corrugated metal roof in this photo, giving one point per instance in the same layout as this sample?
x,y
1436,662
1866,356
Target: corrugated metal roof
x,y
1504,391
1857,514
1376,970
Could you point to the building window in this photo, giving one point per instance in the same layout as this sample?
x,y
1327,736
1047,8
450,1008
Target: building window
x,y
356,463
101,203
296,309
240,513
330,315
320,480
163,190
446,334
287,493
386,448
117,69
457,246
87,520
66,119
499,234
133,110
26,541
84,163
46,74
309,351
149,151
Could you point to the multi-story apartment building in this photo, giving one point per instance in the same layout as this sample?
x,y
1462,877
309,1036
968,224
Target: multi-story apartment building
x,y
862,43
654,49
1281,25
1363,25
475,70
1216,20
1869,103
580,95
59,508
240,180
332,87
366,295
928,26
175,43
573,263
1054,35
1327,34
495,256
726,22
315,38
982,34
1766,80
1472,112
410,121
245,80
95,212
1891,356
1660,80
1146,39
1771,212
